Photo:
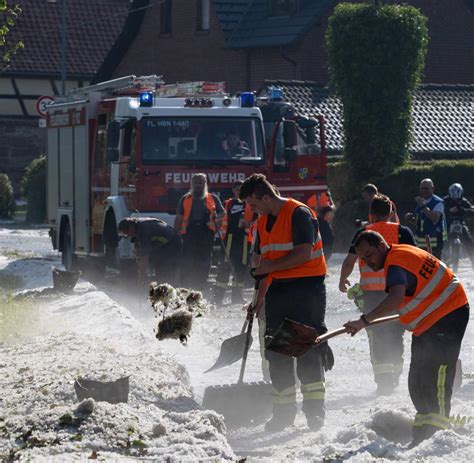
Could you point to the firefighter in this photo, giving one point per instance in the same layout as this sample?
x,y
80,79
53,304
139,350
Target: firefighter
x,y
157,246
292,257
198,216
433,305
429,218
368,193
234,232
385,341
319,200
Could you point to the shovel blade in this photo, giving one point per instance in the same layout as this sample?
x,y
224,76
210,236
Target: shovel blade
x,y
240,403
232,350
292,338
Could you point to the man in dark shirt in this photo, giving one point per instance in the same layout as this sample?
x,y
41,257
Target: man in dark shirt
x,y
291,260
197,219
157,246
385,341
456,208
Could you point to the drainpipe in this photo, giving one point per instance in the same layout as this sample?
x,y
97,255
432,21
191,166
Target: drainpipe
x,y
289,60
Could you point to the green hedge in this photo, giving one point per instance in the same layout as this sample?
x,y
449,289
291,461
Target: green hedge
x,y
401,186
7,199
33,186
376,55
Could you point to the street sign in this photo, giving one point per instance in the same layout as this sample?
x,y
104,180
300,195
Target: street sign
x,y
41,104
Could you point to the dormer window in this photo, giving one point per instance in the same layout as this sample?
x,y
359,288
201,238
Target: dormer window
x,y
283,7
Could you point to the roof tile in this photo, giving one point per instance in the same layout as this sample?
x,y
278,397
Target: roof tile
x,y
93,27
442,115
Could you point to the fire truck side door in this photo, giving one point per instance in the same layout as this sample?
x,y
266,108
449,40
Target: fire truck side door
x,y
81,189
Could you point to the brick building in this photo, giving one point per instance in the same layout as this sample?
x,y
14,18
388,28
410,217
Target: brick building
x,y
246,41
35,71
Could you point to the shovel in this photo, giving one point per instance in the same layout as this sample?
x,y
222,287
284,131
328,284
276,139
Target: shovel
x,y
240,403
232,349
294,339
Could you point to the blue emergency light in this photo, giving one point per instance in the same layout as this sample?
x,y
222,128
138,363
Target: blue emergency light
x,y
247,100
146,99
275,94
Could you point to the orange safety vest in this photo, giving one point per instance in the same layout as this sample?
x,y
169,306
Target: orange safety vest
x,y
279,242
247,216
438,290
187,206
319,200
369,279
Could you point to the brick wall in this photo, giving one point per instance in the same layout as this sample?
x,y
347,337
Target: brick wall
x,y
185,54
190,55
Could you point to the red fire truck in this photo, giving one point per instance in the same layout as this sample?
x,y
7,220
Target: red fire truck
x,y
129,146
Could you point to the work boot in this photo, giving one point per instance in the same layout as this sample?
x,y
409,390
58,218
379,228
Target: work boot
x,y
315,412
283,417
386,385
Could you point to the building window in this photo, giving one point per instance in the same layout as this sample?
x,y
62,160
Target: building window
x,y
166,18
283,7
203,15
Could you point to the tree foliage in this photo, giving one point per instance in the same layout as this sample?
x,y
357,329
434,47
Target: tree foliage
x,y
376,56
7,200
9,12
33,186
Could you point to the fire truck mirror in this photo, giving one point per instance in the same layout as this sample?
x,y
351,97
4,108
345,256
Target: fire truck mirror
x,y
112,154
290,136
113,134
290,154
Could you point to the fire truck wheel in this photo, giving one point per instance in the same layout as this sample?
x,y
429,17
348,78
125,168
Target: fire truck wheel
x,y
67,256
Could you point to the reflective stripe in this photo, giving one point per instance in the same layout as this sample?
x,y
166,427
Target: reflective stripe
x,y
437,303
431,419
276,247
314,391
426,291
317,253
421,242
286,396
372,280
442,389
219,284
383,368
228,245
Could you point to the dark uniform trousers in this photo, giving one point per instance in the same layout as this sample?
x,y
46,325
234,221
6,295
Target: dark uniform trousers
x,y
386,344
196,256
164,261
302,300
433,366
237,251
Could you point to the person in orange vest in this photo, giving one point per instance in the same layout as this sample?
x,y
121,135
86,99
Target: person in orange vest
x,y
433,305
234,232
198,215
290,256
368,193
319,200
385,341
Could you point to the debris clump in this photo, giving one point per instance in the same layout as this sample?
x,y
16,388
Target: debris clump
x,y
177,308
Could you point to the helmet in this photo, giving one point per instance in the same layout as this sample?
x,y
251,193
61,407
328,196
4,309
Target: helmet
x,y
455,191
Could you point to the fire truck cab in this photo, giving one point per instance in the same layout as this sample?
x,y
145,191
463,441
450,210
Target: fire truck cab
x,y
130,146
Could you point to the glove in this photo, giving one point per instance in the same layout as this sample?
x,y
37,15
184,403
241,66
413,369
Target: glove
x,y
356,294
327,357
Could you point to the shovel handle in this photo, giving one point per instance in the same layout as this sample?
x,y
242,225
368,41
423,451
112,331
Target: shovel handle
x,y
331,334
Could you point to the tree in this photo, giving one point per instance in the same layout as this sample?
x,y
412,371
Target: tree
x,y
9,13
33,186
376,56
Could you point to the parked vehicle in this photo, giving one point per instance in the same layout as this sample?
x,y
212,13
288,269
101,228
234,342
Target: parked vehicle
x,y
130,146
